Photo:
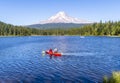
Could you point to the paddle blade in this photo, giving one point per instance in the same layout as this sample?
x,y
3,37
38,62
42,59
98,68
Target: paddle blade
x,y
43,53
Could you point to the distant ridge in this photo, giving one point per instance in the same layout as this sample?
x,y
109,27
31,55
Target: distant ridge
x,y
56,25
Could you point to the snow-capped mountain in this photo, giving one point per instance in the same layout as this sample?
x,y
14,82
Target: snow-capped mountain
x,y
60,20
62,17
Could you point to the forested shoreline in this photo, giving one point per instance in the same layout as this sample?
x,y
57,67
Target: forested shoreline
x,y
96,29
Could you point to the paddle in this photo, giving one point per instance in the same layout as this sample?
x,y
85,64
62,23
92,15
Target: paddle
x,y
43,53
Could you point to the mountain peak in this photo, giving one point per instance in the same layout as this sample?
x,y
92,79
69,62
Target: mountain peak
x,y
62,17
61,13
59,16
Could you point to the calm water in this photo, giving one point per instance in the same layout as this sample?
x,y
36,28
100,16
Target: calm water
x,y
84,60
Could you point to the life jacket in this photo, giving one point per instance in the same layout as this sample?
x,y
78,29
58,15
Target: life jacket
x,y
50,52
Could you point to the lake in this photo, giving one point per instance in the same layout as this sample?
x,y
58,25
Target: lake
x,y
84,60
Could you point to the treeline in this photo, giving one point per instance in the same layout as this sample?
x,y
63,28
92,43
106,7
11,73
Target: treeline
x,y
100,29
10,30
97,29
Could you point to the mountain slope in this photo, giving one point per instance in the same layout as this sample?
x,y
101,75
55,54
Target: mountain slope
x,y
56,25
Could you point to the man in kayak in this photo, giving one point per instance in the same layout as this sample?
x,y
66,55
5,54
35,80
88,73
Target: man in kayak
x,y
51,52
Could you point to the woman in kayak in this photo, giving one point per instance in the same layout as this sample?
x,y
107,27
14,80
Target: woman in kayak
x,y
55,50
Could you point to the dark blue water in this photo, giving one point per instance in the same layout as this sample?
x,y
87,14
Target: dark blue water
x,y
84,60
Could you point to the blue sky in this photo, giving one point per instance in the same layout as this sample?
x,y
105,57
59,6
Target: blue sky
x,y
25,12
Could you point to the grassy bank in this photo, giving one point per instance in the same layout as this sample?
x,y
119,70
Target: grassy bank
x,y
115,78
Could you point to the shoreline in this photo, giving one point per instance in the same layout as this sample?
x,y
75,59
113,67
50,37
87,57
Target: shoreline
x,y
62,35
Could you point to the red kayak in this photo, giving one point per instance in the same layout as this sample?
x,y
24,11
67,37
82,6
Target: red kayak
x,y
54,54
57,54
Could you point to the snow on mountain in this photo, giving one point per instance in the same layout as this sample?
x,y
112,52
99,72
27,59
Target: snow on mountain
x,y
62,17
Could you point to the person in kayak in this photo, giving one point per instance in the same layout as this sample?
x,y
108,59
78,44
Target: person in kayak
x,y
55,50
51,52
